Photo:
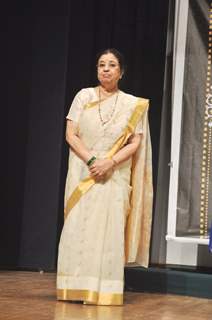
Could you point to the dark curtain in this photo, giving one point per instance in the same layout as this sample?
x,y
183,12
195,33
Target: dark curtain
x,y
194,208
38,46
53,48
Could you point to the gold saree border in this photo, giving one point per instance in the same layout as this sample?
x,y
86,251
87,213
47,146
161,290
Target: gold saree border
x,y
87,183
90,297
92,104
82,188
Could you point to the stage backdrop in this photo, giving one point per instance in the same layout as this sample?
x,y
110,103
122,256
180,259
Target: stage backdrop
x,y
52,55
194,213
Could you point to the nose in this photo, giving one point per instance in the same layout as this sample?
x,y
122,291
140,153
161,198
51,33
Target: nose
x,y
106,67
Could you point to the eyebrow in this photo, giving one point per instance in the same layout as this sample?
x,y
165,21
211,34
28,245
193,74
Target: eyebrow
x,y
108,61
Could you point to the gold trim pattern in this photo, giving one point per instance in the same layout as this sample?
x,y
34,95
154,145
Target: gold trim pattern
x,y
206,141
92,104
90,297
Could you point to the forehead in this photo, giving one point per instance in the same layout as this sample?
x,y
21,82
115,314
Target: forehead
x,y
108,57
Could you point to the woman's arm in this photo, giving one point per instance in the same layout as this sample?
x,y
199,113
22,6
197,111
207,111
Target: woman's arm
x,y
75,143
101,167
128,150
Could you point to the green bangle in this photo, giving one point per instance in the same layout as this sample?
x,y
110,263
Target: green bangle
x,y
91,161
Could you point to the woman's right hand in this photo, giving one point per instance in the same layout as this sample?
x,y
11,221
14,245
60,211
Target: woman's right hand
x,y
100,168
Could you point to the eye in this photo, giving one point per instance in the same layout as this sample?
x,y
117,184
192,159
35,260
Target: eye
x,y
101,65
113,65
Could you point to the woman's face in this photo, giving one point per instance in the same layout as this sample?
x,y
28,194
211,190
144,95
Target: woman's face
x,y
108,70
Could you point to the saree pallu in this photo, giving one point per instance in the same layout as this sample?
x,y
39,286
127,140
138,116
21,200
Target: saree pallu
x,y
110,224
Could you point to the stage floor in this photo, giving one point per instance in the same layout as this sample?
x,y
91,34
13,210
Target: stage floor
x,y
31,295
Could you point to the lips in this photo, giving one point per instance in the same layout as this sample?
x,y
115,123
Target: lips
x,y
106,76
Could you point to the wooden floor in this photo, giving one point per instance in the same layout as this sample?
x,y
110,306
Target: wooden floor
x,y
31,295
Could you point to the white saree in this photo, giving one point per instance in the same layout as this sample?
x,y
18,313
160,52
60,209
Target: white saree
x,y
110,224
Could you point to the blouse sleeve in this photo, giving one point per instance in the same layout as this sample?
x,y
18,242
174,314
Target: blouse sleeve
x,y
76,107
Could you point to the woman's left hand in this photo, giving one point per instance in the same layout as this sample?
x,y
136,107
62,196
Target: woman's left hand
x,y
101,167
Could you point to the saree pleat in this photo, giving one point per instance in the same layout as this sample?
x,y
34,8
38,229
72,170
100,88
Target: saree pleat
x,y
138,228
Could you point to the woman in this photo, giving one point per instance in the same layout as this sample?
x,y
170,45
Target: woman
x,y
107,131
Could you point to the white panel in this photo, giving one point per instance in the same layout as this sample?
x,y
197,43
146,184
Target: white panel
x,y
195,240
181,253
181,18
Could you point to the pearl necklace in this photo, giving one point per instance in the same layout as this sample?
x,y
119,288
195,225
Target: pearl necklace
x,y
109,117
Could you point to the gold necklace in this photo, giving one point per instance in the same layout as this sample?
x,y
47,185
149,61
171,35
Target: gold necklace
x,y
109,117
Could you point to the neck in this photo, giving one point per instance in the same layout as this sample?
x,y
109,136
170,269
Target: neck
x,y
108,90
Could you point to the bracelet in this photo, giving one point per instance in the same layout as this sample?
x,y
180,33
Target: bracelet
x,y
91,161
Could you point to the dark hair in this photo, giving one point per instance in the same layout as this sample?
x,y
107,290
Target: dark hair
x,y
116,53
